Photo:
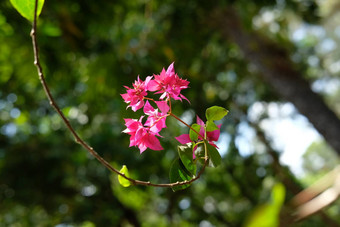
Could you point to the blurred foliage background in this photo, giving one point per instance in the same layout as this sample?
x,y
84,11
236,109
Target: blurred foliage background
x,y
90,49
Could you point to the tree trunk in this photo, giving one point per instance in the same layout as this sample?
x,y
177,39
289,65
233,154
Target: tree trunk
x,y
278,70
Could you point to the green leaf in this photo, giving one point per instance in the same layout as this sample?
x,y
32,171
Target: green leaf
x,y
179,173
214,156
186,156
263,215
268,215
211,126
192,134
124,182
88,224
215,113
26,7
278,195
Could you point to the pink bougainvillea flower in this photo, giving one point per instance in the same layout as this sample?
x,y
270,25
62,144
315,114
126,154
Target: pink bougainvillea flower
x,y
168,84
156,120
183,139
141,136
135,96
211,136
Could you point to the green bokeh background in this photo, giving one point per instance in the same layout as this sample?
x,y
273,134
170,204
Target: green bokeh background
x,y
89,51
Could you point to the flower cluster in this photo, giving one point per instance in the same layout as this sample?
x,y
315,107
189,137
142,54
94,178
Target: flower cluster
x,y
169,85
198,146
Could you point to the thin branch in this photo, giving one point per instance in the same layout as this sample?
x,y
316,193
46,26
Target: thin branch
x,y
180,120
71,129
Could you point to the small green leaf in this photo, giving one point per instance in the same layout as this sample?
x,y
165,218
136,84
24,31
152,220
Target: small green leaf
x,y
278,195
263,215
215,113
214,156
124,182
192,134
211,126
88,224
179,173
186,156
268,215
26,7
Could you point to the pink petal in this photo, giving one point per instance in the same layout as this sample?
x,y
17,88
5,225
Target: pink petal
x,y
171,69
214,145
174,96
147,80
152,142
199,121
183,139
142,148
162,75
139,135
129,120
163,95
156,128
125,97
131,124
214,135
161,124
137,106
132,143
148,108
183,97
153,85
163,106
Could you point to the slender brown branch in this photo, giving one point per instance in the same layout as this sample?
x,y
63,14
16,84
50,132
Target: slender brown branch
x,y
71,129
180,120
